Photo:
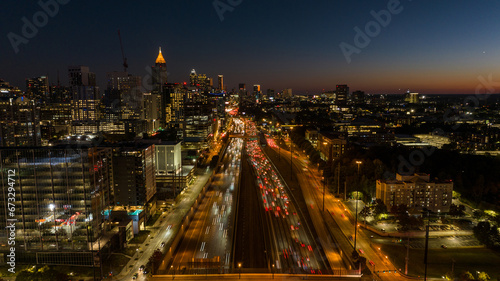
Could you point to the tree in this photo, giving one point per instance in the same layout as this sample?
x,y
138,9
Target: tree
x,y
366,211
155,259
457,211
466,276
478,214
483,276
44,273
379,208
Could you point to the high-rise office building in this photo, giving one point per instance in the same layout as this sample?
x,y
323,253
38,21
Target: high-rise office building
x,y
358,97
86,100
86,112
412,97
287,93
152,111
221,86
37,88
134,177
19,122
9,91
61,194
123,96
81,76
174,104
197,120
256,88
270,93
169,176
193,78
159,73
158,82
341,95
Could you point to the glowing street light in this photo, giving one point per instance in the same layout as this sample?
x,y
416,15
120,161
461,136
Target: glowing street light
x,y
359,163
239,267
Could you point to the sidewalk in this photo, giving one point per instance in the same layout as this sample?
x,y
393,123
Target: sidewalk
x,y
174,216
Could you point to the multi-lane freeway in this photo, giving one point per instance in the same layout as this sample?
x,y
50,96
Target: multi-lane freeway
x,y
207,243
338,216
293,247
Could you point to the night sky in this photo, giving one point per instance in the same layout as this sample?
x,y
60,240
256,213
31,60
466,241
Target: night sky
x,y
431,47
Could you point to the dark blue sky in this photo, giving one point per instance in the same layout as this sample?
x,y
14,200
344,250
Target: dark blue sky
x,y
429,47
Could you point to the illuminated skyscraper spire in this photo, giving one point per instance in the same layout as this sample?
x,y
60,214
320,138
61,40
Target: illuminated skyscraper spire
x,y
160,58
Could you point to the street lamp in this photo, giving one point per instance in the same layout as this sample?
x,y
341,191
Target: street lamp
x,y
359,163
356,225
52,208
324,186
239,267
172,268
273,270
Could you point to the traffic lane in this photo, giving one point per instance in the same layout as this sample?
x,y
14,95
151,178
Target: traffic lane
x,y
362,241
171,218
306,241
298,162
216,233
333,256
190,240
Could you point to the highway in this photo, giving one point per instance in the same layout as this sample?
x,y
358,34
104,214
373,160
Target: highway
x,y
310,180
207,243
163,230
294,249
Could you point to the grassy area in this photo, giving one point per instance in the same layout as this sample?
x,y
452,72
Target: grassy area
x,y
77,271
153,219
115,263
5,273
140,237
440,260
74,271
130,251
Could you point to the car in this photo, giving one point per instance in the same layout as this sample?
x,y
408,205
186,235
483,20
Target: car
x,y
135,276
444,246
162,244
372,263
361,251
141,268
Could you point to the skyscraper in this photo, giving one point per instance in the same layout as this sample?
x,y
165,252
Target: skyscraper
x,y
192,78
341,95
358,97
152,111
134,176
81,76
159,79
159,73
123,96
37,88
86,100
221,82
19,122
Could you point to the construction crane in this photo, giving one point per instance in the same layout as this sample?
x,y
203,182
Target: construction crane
x,y
125,64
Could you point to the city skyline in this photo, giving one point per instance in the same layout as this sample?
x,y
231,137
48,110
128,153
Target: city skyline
x,y
428,47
